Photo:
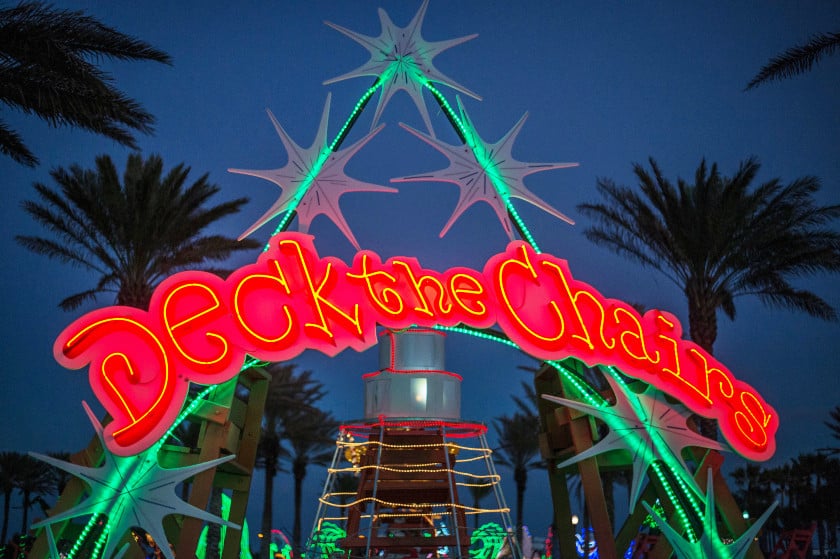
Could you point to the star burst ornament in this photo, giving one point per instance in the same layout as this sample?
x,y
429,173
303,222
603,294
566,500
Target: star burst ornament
x,y
647,426
710,546
131,491
402,60
313,179
485,172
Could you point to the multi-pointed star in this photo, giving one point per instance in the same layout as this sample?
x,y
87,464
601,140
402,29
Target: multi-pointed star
x,y
710,546
313,179
485,172
644,424
402,60
132,491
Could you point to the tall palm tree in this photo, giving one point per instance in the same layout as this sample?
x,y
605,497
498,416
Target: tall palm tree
x,y
311,439
34,478
797,60
518,450
719,238
133,232
289,394
48,67
478,492
11,464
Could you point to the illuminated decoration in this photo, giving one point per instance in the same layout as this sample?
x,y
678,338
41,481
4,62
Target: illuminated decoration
x,y
131,491
487,541
486,172
279,547
585,543
199,328
323,543
400,59
710,546
313,179
410,473
647,426
244,546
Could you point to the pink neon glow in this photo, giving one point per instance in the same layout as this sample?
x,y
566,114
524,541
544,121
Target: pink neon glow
x,y
199,328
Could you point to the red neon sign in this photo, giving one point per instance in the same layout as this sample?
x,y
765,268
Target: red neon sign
x,y
199,328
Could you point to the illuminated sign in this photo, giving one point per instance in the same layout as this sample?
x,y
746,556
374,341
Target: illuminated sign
x,y
200,327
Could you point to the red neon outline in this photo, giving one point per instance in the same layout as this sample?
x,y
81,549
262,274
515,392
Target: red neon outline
x,y
324,304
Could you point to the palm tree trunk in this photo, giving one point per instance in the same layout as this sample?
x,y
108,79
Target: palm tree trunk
x,y
24,526
7,497
299,471
520,476
268,504
702,326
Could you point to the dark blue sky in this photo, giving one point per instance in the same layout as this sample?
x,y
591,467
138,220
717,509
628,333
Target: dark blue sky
x,y
606,85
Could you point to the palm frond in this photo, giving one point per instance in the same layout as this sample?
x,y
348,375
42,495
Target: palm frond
x,y
797,60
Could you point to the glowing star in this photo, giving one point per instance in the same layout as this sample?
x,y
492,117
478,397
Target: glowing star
x,y
313,179
401,59
132,491
710,546
644,424
485,172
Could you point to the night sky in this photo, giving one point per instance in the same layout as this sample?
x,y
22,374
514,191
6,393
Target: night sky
x,y
606,85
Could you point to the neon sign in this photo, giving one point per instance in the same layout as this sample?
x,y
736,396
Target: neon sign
x,y
200,327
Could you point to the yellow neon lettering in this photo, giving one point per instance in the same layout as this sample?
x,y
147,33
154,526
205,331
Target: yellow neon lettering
x,y
500,281
170,328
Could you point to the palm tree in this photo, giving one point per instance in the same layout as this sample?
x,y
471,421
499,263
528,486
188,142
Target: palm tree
x,y
518,450
289,394
797,60
311,439
10,467
717,239
131,234
478,492
48,67
34,478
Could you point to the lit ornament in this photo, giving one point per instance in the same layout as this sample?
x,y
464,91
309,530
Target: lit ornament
x,y
402,60
710,546
324,542
313,179
647,426
487,541
485,172
132,491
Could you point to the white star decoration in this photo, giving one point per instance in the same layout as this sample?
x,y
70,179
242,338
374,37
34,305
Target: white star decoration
x,y
402,60
646,425
710,546
485,172
314,177
131,491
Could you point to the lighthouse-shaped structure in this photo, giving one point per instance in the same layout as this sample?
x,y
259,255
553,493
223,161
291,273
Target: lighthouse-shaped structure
x,y
399,484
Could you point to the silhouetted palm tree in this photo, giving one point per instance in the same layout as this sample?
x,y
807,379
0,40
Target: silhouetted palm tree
x,y
518,450
797,60
132,233
34,478
10,465
719,238
478,492
48,68
289,394
311,437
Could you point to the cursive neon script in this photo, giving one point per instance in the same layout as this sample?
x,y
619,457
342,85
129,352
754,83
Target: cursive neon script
x,y
200,327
